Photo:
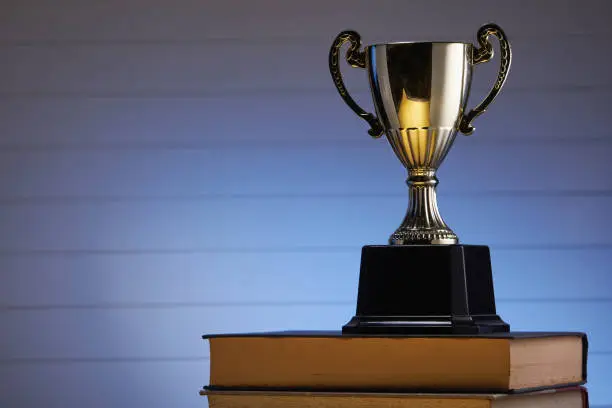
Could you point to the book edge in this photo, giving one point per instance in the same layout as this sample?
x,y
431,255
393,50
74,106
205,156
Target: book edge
x,y
338,334
215,390
385,391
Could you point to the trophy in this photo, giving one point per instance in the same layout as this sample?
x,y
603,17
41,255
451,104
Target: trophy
x,y
424,281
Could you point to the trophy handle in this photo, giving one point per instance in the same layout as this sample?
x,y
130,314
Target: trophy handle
x,y
484,54
356,59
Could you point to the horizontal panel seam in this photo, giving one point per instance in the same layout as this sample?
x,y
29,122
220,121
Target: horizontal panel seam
x,y
64,360
250,40
272,250
271,144
188,359
233,92
6,308
80,199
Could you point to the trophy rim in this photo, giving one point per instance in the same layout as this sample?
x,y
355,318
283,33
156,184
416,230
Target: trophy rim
x,y
420,42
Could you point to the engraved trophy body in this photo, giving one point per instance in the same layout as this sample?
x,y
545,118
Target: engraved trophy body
x,y
423,281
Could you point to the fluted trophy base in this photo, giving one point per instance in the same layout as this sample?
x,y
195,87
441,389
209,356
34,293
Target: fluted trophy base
x,y
425,289
423,223
423,237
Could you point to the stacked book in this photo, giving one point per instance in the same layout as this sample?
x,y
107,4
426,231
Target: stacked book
x,y
329,369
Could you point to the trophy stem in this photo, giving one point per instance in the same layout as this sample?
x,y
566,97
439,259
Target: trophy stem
x,y
423,223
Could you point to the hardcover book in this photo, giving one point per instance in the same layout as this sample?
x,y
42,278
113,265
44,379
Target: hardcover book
x,y
331,361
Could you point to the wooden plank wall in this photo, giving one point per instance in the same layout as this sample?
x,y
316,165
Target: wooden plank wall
x,y
169,168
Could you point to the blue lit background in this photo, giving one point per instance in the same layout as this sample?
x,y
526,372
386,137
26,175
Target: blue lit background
x,y
174,168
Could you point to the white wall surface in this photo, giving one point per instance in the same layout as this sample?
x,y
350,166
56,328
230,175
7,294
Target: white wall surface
x,y
174,168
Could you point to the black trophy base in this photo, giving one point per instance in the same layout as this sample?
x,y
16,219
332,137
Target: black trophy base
x,y
425,289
